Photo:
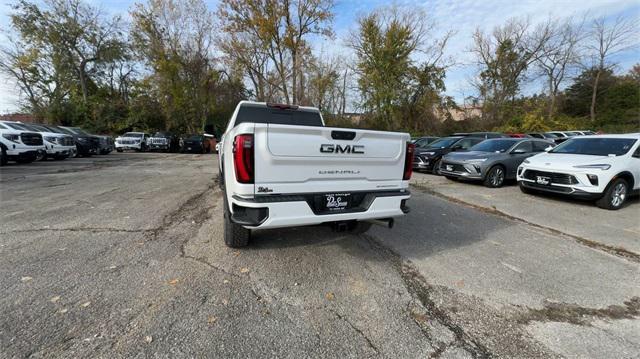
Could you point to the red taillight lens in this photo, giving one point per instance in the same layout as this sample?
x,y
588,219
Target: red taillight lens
x,y
243,158
408,162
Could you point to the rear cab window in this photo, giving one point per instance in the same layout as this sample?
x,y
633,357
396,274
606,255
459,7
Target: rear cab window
x,y
279,116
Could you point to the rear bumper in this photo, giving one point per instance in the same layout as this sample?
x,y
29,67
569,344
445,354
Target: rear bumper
x,y
296,210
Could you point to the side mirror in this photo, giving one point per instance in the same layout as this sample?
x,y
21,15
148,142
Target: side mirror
x,y
548,149
518,151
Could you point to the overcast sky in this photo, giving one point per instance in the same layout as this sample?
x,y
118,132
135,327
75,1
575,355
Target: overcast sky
x,y
462,16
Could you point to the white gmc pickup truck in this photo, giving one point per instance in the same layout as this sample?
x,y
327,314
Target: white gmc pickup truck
x,y
280,167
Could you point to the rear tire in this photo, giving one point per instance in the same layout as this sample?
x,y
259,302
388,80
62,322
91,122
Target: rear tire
x,y
436,167
615,196
235,236
495,177
3,156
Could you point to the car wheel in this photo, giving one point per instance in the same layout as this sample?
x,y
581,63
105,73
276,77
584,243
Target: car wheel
x,y
436,167
615,195
3,156
359,227
495,177
235,236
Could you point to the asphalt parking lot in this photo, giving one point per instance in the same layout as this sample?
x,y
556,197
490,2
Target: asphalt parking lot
x,y
122,256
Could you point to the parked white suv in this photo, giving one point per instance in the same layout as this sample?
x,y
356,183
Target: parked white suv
x,y
19,145
605,168
280,167
132,141
56,145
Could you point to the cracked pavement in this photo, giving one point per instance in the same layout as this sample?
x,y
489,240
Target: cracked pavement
x,y
122,256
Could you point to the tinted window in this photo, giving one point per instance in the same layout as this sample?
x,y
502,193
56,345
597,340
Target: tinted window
x,y
17,126
421,142
79,131
467,143
494,145
261,114
536,135
540,146
443,142
131,134
595,146
526,146
64,130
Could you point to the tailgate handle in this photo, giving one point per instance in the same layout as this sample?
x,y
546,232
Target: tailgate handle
x,y
343,135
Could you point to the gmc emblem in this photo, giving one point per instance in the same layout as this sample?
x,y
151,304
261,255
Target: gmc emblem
x,y
329,148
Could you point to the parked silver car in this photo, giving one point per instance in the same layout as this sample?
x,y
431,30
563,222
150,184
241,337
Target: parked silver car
x,y
492,161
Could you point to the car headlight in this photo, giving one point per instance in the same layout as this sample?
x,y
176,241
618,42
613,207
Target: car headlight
x,y
427,153
476,160
51,139
82,139
599,166
526,161
12,137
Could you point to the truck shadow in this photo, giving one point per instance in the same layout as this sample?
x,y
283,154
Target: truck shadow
x,y
433,225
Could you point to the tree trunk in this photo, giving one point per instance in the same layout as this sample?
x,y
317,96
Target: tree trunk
x,y
594,95
83,80
552,98
294,77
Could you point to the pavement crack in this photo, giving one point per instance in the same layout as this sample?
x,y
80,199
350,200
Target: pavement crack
x,y
418,288
356,329
575,314
81,229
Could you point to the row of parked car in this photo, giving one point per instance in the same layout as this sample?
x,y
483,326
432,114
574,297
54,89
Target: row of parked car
x,y
603,168
166,142
28,142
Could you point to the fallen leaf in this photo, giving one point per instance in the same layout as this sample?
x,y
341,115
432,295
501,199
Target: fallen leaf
x,y
26,279
63,310
113,267
244,270
55,299
419,317
225,281
85,304
225,302
212,319
236,253
148,339
173,281
460,283
330,296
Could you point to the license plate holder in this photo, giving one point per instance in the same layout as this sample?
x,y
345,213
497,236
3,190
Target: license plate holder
x,y
335,202
543,180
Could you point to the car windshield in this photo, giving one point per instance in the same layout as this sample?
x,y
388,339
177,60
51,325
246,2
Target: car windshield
x,y
132,134
597,146
39,128
78,130
17,126
443,142
494,145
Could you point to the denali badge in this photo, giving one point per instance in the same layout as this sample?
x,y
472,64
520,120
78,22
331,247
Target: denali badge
x,y
329,148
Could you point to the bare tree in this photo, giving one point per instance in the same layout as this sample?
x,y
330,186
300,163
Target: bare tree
x,y
504,57
558,55
606,40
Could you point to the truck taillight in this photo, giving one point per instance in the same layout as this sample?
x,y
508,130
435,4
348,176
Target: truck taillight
x,y
408,161
243,158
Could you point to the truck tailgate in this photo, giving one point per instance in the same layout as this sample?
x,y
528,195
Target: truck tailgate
x,y
295,159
